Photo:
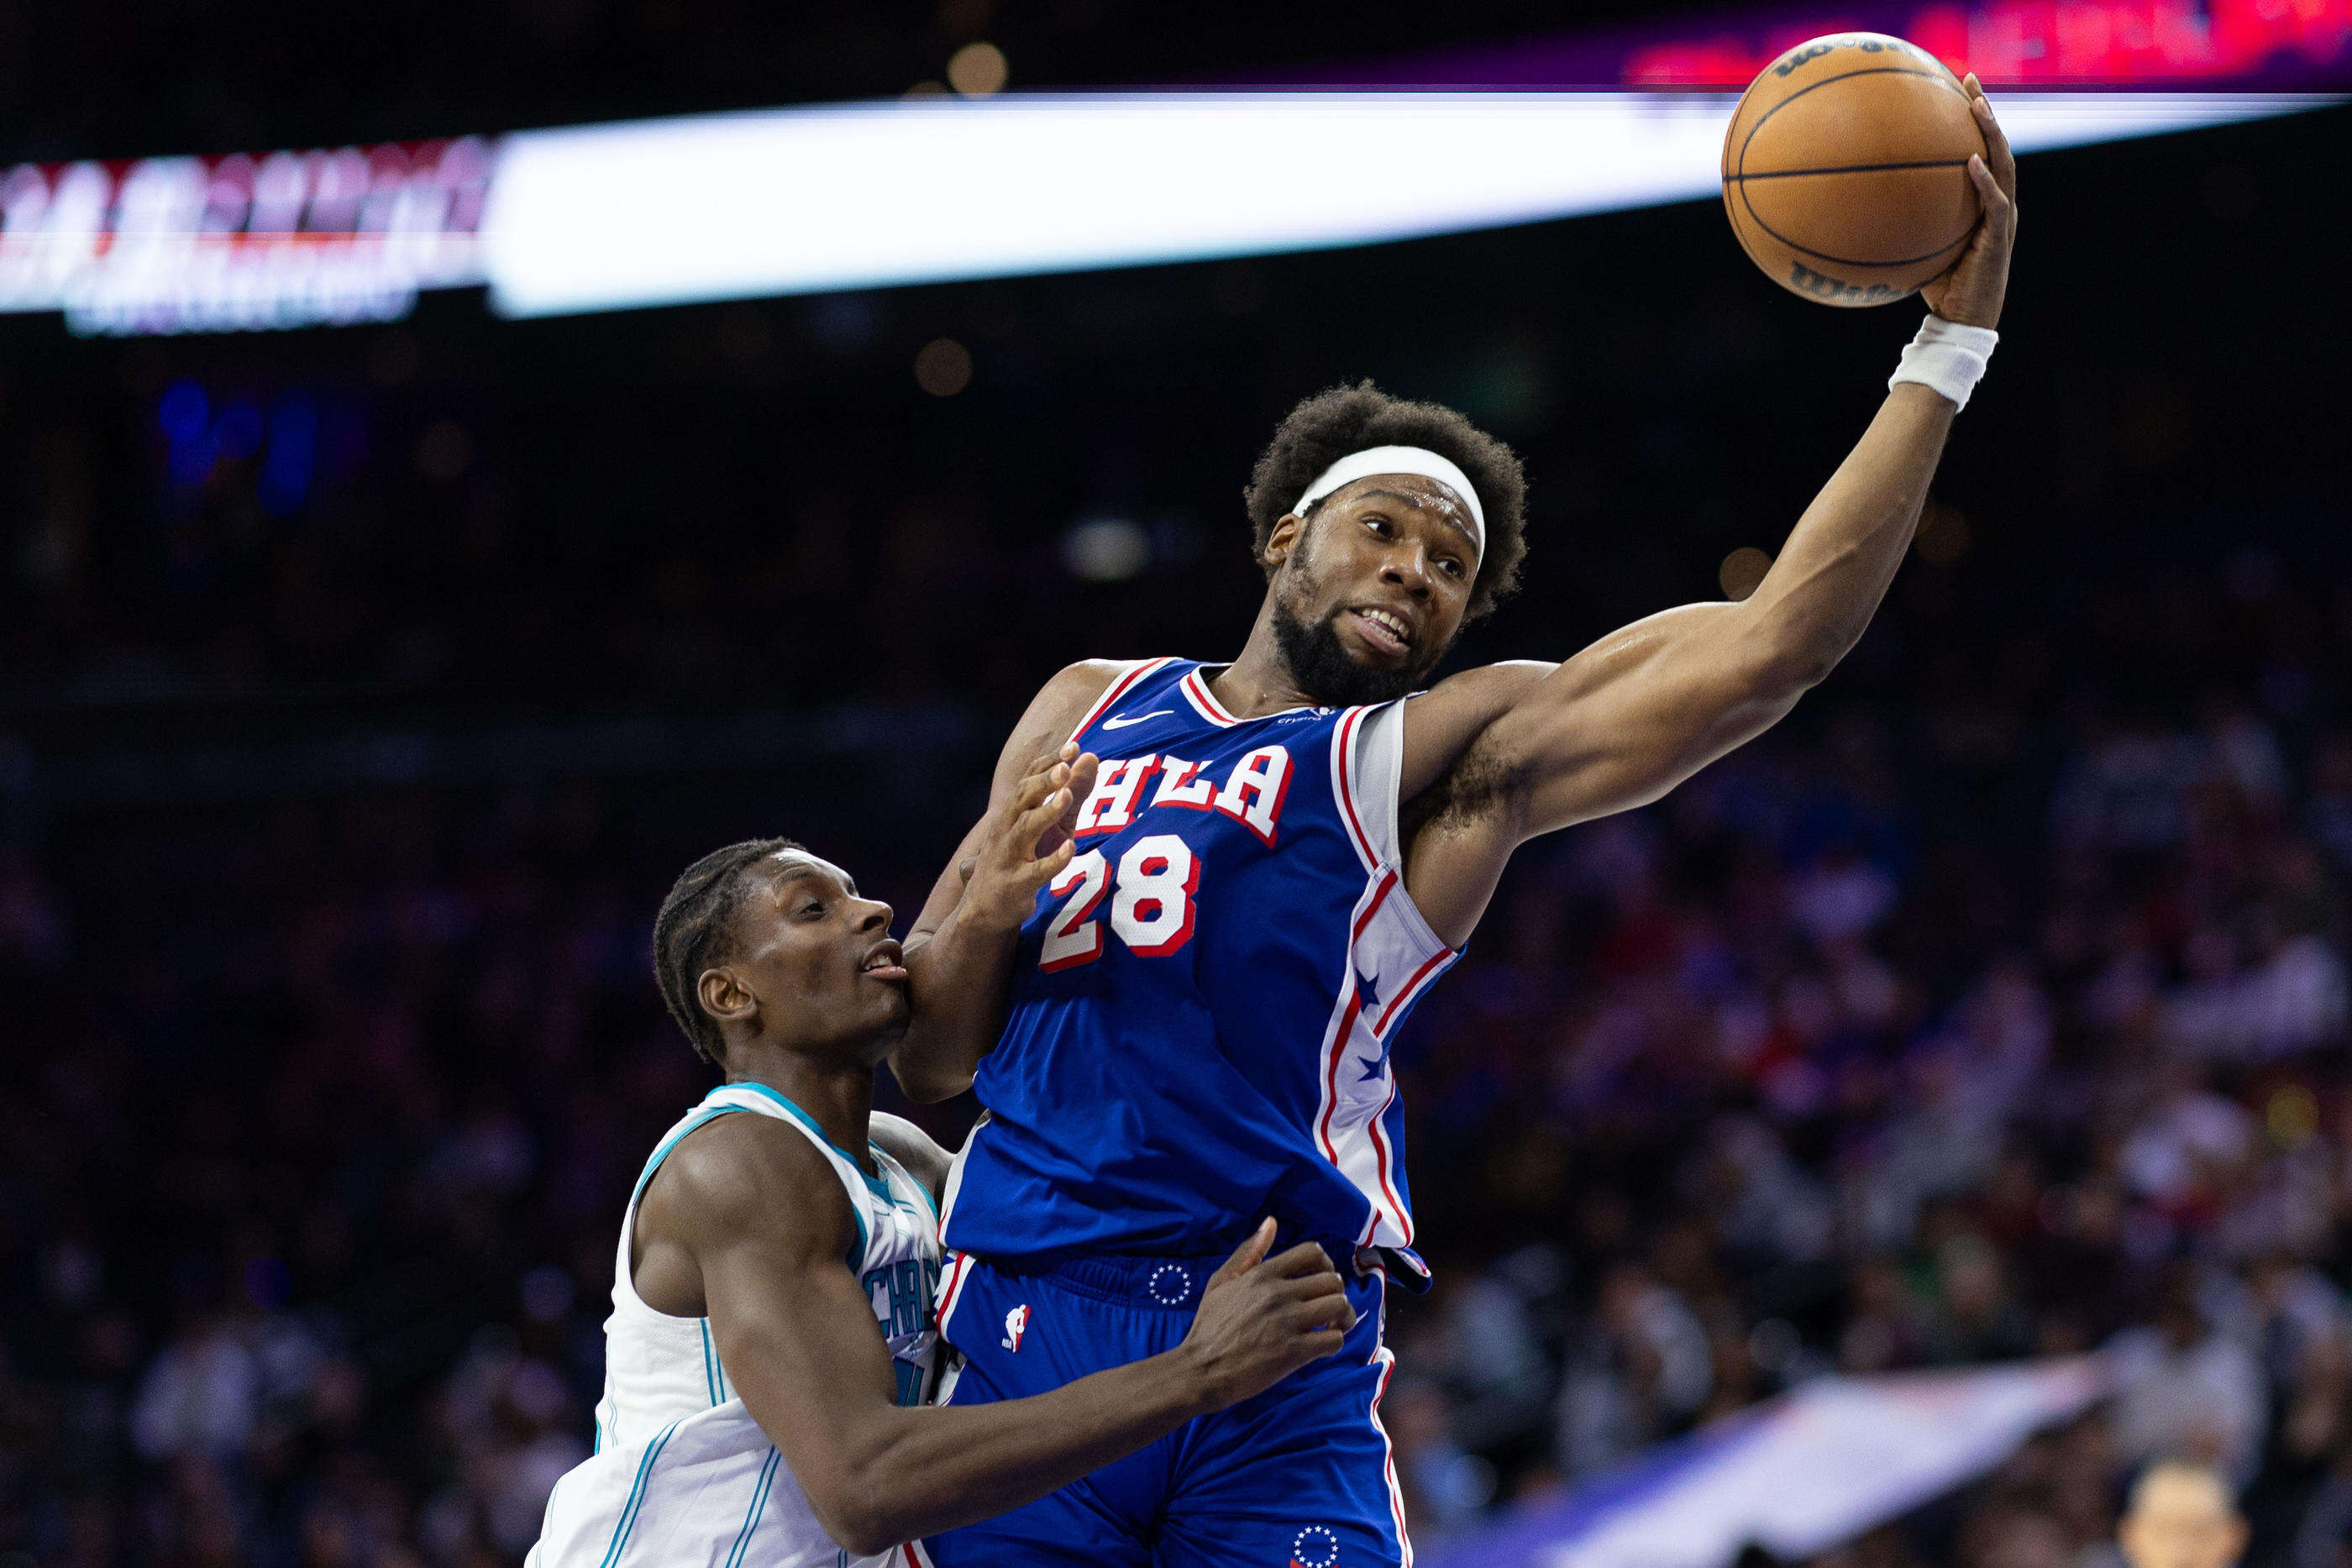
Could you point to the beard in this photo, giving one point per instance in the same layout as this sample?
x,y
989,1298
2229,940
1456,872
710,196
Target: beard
x,y
1321,664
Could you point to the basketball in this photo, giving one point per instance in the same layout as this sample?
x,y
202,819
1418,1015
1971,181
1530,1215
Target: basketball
x,y
1846,170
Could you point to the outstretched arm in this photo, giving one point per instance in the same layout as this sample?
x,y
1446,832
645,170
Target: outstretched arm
x,y
1519,750
751,1214
960,950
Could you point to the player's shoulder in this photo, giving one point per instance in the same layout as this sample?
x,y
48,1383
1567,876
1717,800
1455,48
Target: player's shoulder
x,y
913,1147
1441,723
1504,679
1075,687
747,1171
1057,708
1468,701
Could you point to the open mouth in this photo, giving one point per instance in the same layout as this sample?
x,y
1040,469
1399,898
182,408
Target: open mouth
x,y
887,962
1384,630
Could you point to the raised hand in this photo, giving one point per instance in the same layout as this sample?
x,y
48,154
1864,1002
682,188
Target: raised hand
x,y
1970,293
1262,1319
1029,841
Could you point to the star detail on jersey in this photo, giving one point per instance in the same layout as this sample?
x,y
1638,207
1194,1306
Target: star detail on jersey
x,y
1367,987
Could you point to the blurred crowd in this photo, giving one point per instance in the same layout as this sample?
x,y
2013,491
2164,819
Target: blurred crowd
x,y
1988,1013
1992,1007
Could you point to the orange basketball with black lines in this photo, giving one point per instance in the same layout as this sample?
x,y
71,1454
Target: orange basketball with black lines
x,y
1846,169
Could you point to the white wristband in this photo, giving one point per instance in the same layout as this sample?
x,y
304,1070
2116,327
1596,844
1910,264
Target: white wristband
x,y
1948,357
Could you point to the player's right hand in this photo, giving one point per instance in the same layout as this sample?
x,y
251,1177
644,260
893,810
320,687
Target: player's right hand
x,y
1262,1319
1028,842
1972,291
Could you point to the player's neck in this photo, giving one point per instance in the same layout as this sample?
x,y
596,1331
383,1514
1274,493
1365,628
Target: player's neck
x,y
1258,682
840,1100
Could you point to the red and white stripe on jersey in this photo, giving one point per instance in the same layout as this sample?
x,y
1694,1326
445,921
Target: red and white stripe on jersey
x,y
1120,687
1393,956
1196,691
951,1290
1386,1360
1344,785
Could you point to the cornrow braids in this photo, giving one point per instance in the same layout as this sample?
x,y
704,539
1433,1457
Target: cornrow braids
x,y
693,931
1344,419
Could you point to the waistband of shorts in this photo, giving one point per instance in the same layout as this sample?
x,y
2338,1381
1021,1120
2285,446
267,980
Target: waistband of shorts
x,y
1172,1284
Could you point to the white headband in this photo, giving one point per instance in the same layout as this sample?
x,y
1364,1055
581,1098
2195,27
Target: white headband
x,y
1397,460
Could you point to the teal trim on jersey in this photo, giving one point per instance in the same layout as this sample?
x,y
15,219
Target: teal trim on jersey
x,y
709,1361
661,1153
802,1117
636,1496
880,1187
758,1506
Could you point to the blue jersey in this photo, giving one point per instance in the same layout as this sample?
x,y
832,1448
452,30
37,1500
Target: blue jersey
x,y
1203,1001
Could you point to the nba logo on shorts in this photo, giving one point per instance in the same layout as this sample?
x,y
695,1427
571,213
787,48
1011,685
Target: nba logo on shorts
x,y
1314,1547
1016,1323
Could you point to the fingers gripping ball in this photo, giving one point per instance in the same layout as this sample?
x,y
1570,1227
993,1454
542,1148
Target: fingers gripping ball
x,y
1846,169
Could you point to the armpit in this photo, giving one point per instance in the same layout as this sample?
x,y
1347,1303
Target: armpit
x,y
1481,785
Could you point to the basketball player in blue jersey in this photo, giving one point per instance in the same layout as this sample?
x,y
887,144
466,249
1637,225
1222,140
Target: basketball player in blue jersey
x,y
1273,860
771,1345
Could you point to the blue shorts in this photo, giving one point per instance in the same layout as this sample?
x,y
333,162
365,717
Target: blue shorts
x,y
1301,1475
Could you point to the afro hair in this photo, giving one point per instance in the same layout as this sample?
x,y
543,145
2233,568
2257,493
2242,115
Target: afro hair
x,y
1331,424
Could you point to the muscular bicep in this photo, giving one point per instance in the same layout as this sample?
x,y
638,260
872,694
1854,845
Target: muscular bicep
x,y
1636,713
1499,755
770,1229
947,891
797,1335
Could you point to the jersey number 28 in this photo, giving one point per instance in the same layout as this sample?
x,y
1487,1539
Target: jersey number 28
x,y
1150,906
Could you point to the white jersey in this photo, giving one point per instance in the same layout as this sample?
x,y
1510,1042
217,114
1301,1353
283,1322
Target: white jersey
x,y
682,1474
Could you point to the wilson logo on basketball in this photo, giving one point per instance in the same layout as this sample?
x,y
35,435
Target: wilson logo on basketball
x,y
1848,159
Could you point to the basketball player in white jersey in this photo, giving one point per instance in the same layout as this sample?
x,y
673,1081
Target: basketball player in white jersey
x,y
772,1342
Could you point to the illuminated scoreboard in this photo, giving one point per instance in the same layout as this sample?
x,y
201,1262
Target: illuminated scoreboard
x,y
284,239
616,216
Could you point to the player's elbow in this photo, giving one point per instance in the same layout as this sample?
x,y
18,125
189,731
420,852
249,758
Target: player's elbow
x,y
863,1535
851,1511
1787,663
867,1498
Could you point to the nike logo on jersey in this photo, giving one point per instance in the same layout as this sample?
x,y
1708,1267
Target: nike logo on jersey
x,y
1120,721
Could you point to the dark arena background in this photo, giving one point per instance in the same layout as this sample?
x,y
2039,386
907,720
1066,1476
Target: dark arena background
x,y
1963,1070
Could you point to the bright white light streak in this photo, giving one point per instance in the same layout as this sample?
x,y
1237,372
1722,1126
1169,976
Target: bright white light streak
x,y
796,201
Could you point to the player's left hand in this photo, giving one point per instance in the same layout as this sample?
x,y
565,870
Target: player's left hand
x,y
1028,842
1970,293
